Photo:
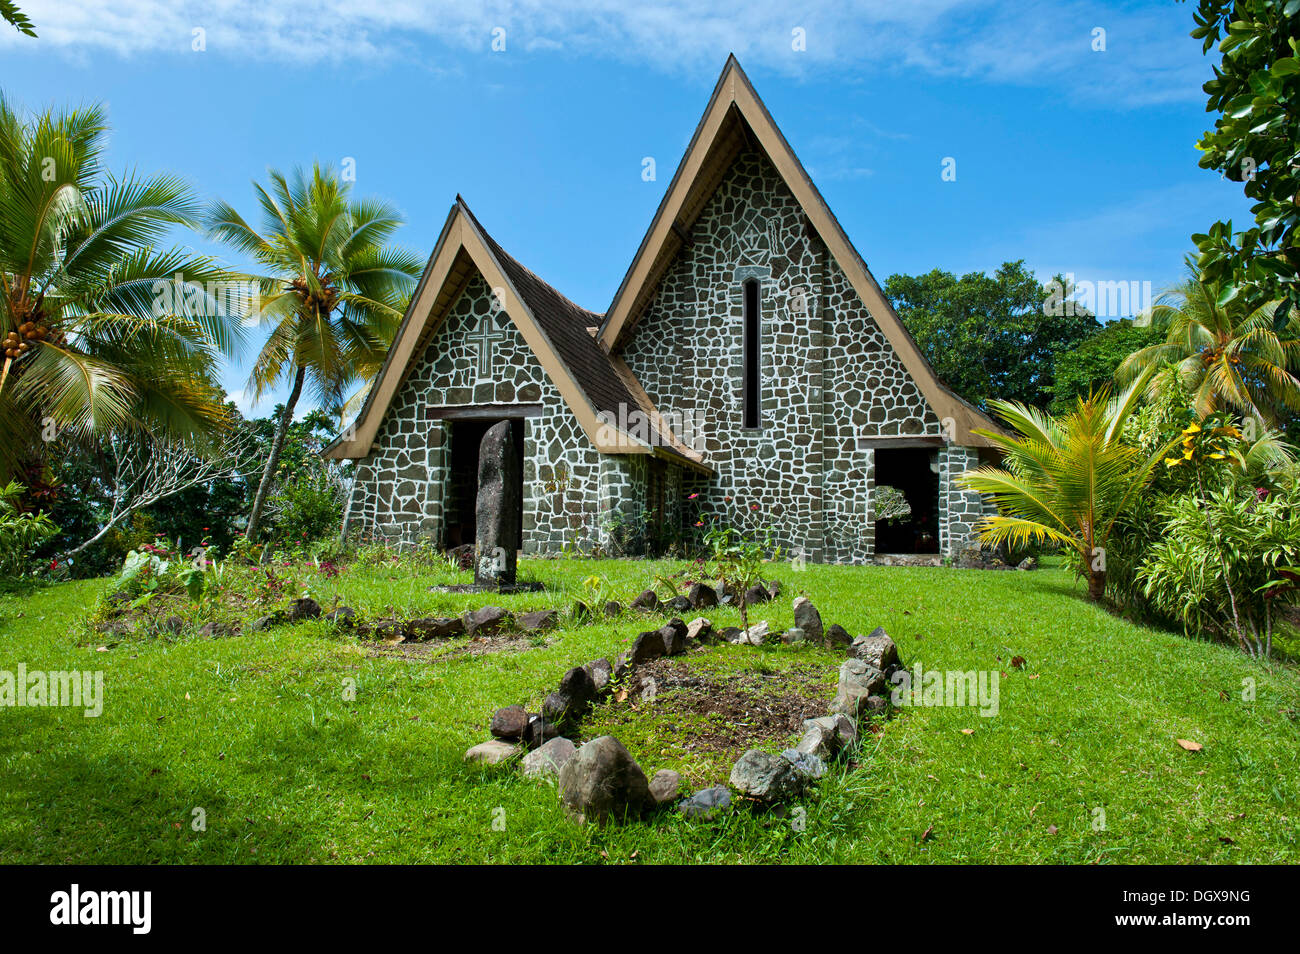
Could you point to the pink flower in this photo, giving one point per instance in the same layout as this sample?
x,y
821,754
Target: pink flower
x,y
692,496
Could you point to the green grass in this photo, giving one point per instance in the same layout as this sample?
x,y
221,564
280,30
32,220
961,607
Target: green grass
x,y
255,730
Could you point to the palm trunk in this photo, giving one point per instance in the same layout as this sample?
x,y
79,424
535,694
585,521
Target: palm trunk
x,y
1096,585
272,461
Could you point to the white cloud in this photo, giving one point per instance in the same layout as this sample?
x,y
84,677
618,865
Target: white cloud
x,y
1149,57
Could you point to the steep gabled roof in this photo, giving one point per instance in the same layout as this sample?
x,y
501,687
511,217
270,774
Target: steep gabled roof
x,y
557,331
736,119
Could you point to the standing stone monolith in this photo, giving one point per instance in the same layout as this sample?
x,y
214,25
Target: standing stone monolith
x,y
497,509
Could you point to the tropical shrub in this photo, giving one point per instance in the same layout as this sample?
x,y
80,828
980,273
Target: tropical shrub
x,y
307,507
20,532
1065,479
1221,565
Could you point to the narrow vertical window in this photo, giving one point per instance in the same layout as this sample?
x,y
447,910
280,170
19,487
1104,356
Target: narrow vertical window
x,y
753,359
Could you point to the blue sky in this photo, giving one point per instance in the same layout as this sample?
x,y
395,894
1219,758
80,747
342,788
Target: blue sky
x,y
1075,159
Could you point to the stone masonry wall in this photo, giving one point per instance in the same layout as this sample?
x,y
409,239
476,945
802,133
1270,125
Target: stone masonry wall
x,y
399,487
829,375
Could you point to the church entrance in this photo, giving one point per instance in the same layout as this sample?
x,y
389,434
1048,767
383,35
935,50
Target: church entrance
x,y
914,471
462,478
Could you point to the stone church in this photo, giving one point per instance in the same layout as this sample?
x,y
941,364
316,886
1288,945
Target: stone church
x,y
749,369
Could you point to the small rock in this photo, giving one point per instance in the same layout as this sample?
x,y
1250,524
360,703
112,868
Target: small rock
x,y
794,635
646,647
706,803
808,619
304,609
838,730
540,731
678,604
537,620
602,782
601,672
702,596
700,629
764,776
858,680
173,625
757,594
807,765
509,723
548,759
613,608
730,634
876,705
773,589
664,786
756,635
837,637
434,627
674,640
579,611
647,601
876,649
343,616
1028,563
492,752
818,741
485,621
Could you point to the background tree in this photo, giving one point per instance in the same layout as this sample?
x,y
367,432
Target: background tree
x,y
1228,355
1256,91
988,336
1091,364
332,292
102,332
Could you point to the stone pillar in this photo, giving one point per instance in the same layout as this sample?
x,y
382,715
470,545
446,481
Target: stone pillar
x,y
497,508
962,509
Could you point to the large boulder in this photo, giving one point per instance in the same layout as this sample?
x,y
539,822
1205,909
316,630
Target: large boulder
x,y
858,681
876,649
808,619
702,596
497,508
603,783
765,777
548,759
510,723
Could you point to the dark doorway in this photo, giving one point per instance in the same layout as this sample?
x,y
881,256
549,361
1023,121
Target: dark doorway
x,y
914,472
462,477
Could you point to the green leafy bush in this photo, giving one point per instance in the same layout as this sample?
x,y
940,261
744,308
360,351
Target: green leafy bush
x,y
1222,564
20,532
308,506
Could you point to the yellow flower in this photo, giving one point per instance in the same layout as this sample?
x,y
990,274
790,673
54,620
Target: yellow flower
x,y
1216,457
1172,461
1187,454
1192,429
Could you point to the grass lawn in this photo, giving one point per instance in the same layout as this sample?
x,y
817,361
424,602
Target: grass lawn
x,y
255,730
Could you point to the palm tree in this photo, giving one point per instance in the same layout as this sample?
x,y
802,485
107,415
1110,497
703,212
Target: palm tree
x,y
332,293
1228,357
101,332
1065,479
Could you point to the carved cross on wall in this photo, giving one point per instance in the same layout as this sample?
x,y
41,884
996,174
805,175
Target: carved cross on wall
x,y
483,340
